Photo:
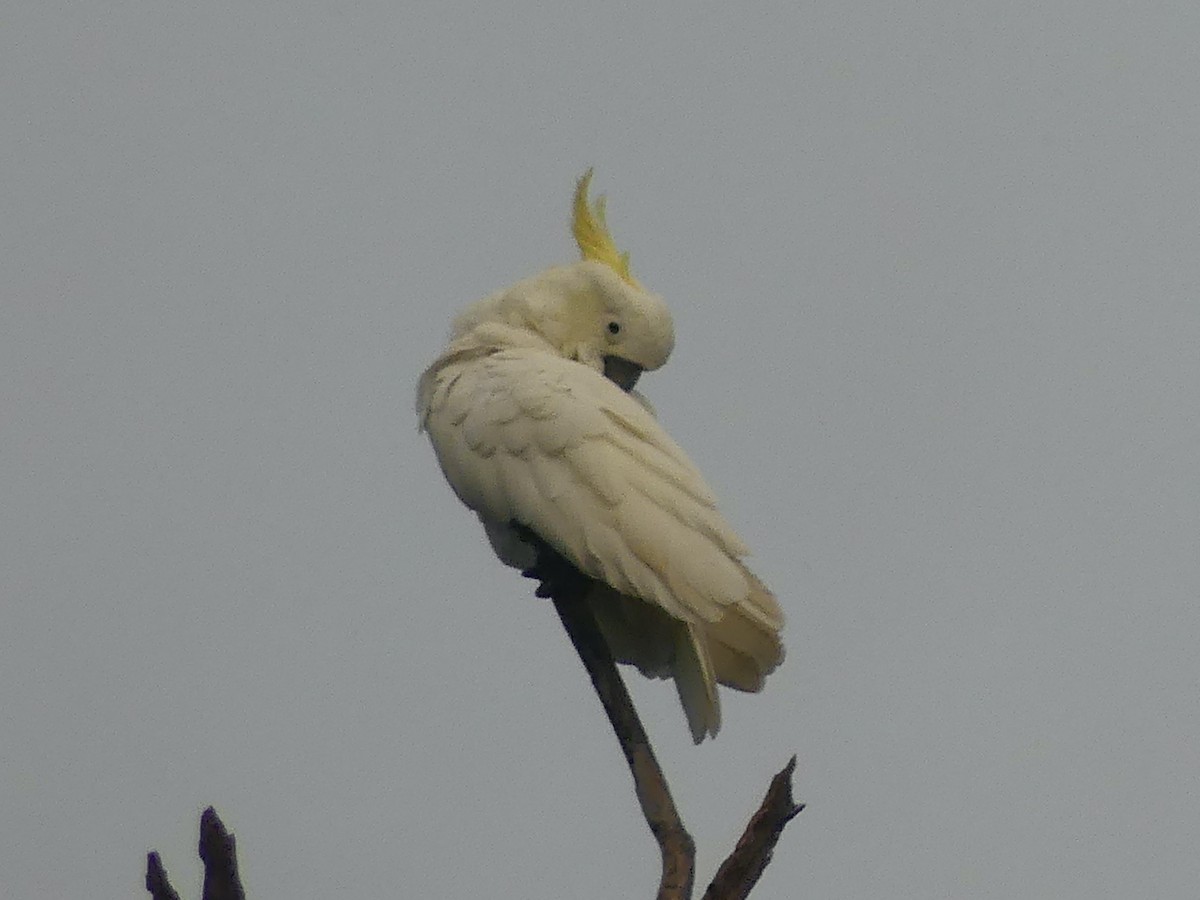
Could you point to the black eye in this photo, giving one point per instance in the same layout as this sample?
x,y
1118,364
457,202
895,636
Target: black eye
x,y
614,327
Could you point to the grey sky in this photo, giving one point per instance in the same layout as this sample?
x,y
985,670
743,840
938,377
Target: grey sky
x,y
934,269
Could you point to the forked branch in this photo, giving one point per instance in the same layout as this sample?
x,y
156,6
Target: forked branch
x,y
218,851
568,588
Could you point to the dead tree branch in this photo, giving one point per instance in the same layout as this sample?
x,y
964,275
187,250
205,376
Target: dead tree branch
x,y
218,852
156,879
568,588
741,870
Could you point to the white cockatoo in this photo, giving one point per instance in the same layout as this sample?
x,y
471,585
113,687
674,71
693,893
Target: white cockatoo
x,y
534,420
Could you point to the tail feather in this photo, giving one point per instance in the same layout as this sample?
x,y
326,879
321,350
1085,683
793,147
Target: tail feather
x,y
644,635
637,633
696,683
736,670
739,650
744,653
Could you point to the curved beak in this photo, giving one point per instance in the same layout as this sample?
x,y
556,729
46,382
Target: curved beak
x,y
621,372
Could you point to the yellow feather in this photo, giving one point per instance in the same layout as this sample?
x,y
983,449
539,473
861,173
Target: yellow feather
x,y
591,231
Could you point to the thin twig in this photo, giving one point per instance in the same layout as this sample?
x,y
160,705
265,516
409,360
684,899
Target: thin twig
x,y
568,588
741,870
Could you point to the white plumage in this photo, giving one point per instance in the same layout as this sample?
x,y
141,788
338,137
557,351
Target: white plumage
x,y
529,431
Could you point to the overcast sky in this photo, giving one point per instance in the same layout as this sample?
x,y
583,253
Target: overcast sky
x,y
935,271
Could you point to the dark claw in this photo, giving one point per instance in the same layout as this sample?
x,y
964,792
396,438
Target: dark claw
x,y
557,576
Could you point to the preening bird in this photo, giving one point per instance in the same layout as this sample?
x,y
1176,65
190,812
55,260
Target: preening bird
x,y
533,416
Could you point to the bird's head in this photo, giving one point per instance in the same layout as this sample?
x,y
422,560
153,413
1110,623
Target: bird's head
x,y
592,311
589,314
602,316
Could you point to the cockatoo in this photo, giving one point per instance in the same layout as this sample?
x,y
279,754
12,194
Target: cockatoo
x,y
535,423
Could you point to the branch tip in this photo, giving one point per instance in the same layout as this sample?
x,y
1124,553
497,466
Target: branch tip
x,y
157,882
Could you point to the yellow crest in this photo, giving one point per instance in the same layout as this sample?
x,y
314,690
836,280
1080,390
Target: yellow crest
x,y
591,231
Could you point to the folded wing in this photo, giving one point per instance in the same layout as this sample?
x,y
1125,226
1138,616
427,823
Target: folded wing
x,y
529,437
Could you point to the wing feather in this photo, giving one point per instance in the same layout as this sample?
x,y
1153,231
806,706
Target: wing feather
x,y
551,444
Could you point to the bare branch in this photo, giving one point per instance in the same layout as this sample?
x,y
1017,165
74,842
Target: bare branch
x,y
742,869
156,879
568,588
218,851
